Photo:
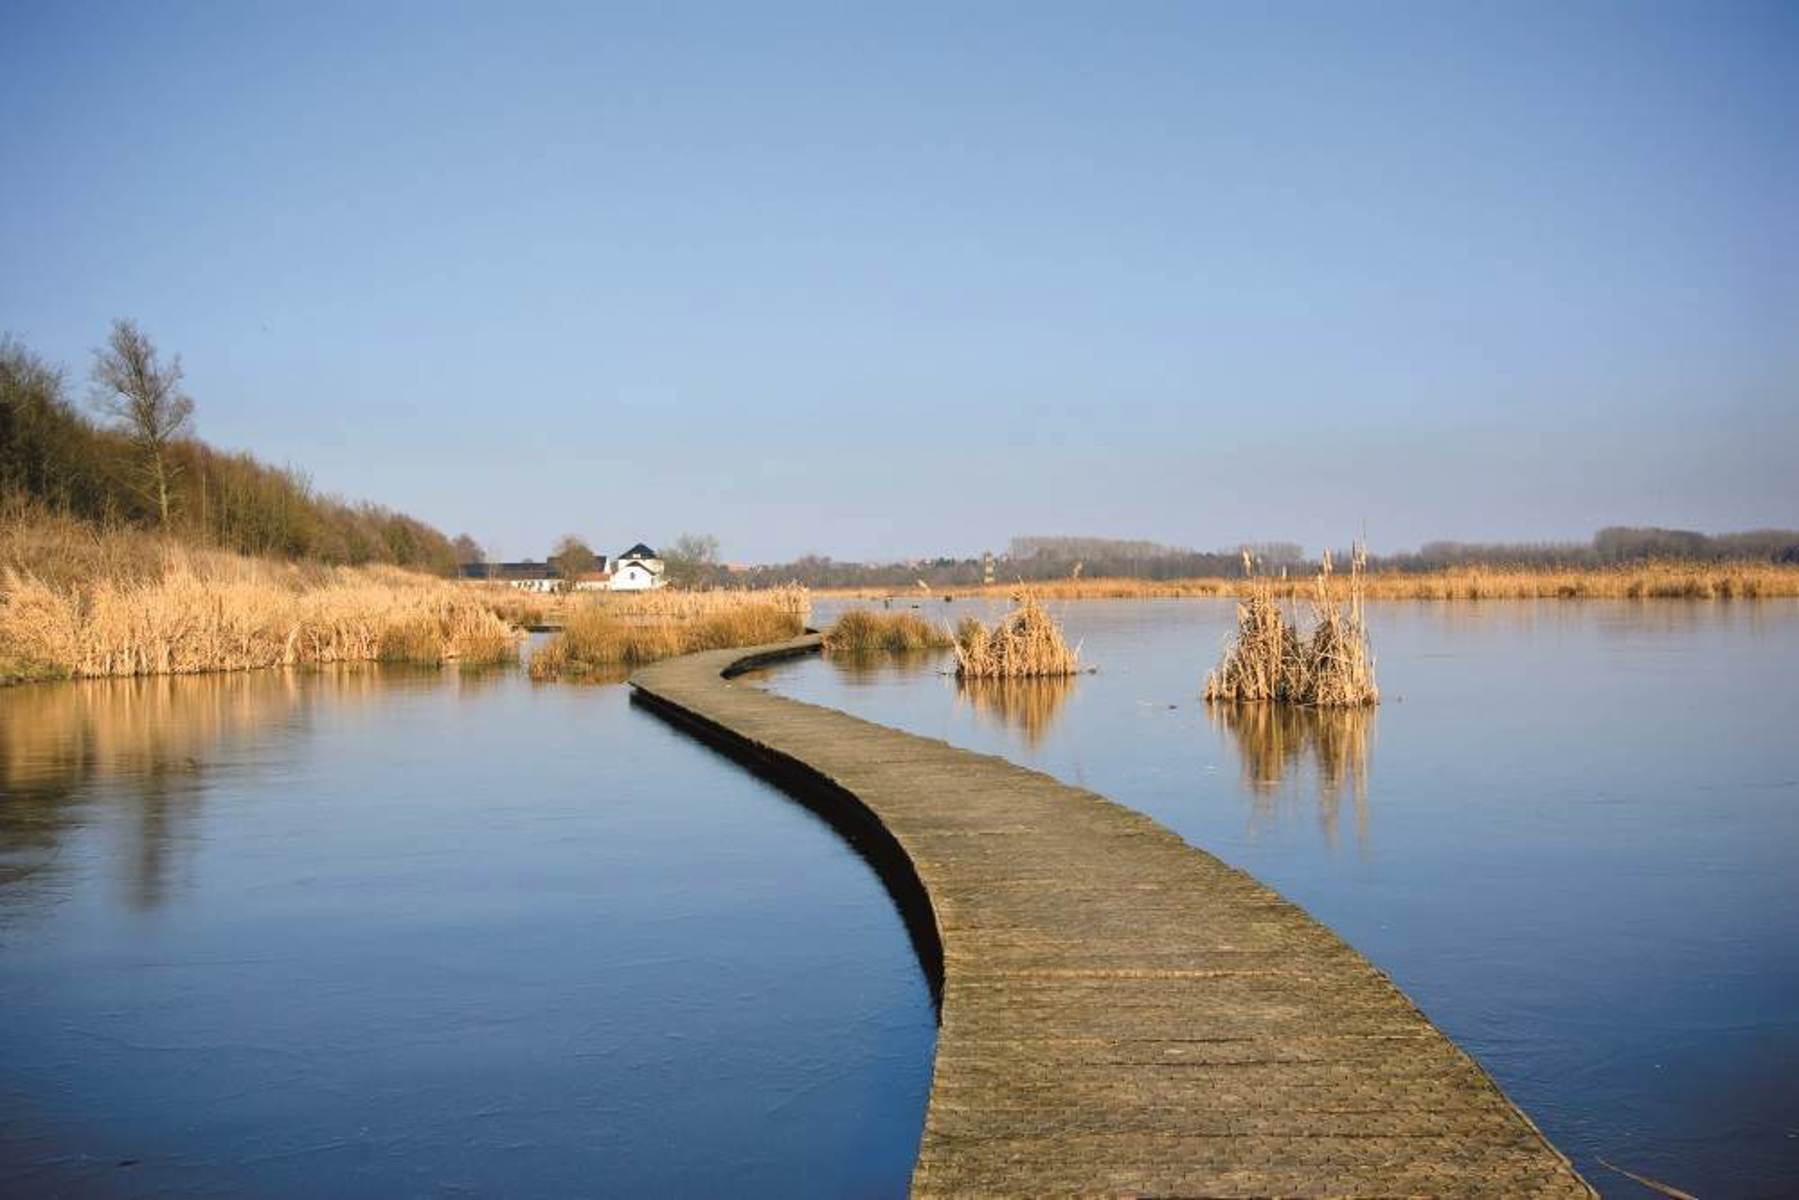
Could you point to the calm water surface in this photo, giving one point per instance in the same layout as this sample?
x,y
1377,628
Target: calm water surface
x,y
1571,834
387,933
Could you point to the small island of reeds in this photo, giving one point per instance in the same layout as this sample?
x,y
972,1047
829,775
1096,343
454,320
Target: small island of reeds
x,y
864,631
1269,659
1026,642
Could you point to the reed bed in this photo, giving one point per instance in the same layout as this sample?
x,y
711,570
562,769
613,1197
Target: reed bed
x,y
1027,642
864,631
597,640
666,604
78,602
536,610
1637,581
1268,659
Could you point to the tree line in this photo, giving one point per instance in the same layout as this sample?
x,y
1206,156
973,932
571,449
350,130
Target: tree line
x,y
1037,559
131,458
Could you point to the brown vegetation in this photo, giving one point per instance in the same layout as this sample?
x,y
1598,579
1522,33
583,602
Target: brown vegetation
x,y
1026,642
623,630
1268,659
864,631
77,600
1639,581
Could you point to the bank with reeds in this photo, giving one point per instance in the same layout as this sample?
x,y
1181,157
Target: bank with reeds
x,y
1637,581
81,601
625,630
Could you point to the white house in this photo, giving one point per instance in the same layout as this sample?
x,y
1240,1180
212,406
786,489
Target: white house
x,y
638,570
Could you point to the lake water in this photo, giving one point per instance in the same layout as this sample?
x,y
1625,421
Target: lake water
x,y
1570,833
381,933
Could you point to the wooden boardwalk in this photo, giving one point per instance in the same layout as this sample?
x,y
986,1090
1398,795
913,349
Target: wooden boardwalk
x,y
1122,1014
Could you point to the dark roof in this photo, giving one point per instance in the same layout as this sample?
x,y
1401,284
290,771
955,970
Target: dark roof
x,y
639,551
507,570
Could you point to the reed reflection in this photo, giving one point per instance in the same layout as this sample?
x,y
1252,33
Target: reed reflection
x,y
1278,743
141,744
1028,704
859,668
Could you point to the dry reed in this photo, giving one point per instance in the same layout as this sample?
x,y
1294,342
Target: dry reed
x,y
1637,581
863,631
555,610
1268,659
1026,642
597,640
87,603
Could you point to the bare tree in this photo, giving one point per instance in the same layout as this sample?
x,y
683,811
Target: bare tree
x,y
144,397
468,550
692,560
572,558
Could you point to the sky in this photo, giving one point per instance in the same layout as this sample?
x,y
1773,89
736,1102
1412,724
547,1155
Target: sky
x,y
885,281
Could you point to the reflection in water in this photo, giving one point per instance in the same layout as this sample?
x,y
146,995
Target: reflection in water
x,y
1027,704
152,735
416,931
1275,739
866,668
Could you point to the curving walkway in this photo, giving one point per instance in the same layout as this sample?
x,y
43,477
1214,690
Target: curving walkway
x,y
1123,1014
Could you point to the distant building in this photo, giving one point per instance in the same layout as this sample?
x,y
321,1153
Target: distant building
x,y
638,569
531,576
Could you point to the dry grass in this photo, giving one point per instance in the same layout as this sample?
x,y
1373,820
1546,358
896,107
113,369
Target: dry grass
x,y
864,631
536,610
1026,642
598,639
78,602
1641,581
1269,660
515,606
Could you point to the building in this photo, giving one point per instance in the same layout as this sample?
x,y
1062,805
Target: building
x,y
638,569
531,576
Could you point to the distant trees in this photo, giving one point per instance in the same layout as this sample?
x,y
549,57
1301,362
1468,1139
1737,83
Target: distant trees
x,y
143,467
572,558
143,395
1043,558
692,560
1056,558
467,550
1612,546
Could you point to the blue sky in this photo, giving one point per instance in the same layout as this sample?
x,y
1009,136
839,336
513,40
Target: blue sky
x,y
910,280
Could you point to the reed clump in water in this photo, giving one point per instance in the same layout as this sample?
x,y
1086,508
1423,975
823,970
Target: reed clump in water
x,y
598,640
864,631
1270,660
1027,642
